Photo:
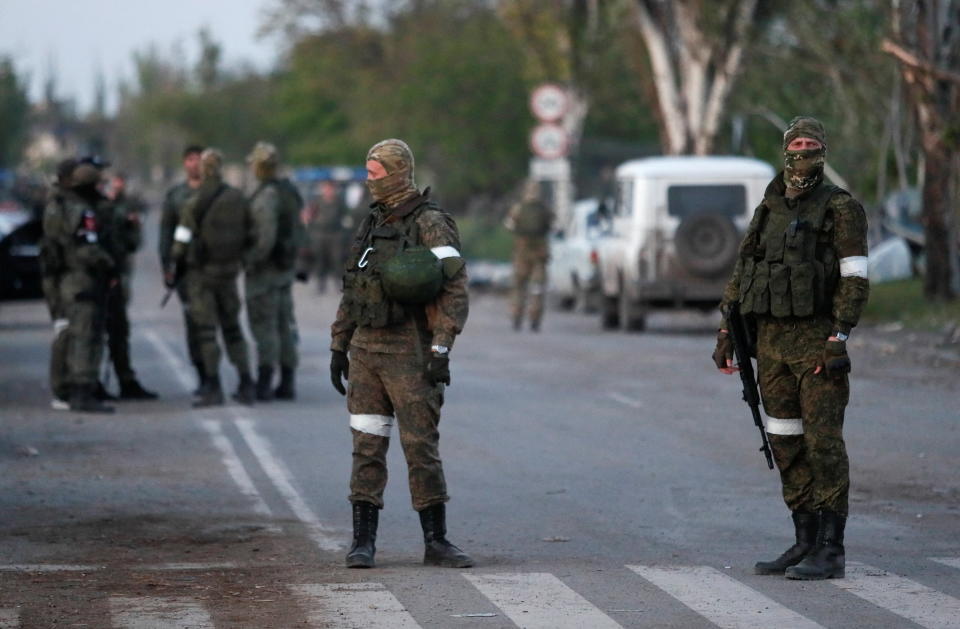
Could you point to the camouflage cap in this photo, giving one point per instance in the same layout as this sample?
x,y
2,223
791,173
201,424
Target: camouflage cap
x,y
65,169
84,174
805,127
211,161
263,153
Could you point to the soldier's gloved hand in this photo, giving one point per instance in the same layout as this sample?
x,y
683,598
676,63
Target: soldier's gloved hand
x,y
835,358
170,277
724,350
302,276
438,369
339,370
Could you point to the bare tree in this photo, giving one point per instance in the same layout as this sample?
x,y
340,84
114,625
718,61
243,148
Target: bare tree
x,y
695,50
926,42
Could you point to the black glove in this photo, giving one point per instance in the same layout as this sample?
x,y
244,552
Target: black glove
x,y
339,370
724,349
302,276
835,358
438,369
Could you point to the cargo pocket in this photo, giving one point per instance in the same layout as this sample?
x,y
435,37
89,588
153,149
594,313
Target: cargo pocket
x,y
746,281
759,293
780,290
801,287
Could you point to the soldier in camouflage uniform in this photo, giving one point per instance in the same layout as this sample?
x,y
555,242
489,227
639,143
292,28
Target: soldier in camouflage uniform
x,y
214,231
52,269
125,238
173,203
530,222
75,226
270,273
398,353
324,219
802,278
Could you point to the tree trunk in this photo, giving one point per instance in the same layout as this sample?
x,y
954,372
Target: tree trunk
x,y
937,285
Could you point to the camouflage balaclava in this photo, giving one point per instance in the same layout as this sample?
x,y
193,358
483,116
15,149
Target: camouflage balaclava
x,y
398,185
803,170
264,159
211,163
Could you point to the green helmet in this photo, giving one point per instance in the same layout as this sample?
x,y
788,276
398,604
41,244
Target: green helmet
x,y
413,276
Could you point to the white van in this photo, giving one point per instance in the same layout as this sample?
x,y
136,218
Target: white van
x,y
675,230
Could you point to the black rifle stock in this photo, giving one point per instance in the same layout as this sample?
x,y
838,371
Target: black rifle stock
x,y
741,346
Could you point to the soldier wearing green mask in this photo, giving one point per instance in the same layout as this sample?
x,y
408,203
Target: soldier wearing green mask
x,y
404,301
801,278
214,231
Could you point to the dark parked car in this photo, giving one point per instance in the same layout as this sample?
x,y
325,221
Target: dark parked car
x,y
20,233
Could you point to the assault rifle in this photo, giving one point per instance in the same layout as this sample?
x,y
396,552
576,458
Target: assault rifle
x,y
741,346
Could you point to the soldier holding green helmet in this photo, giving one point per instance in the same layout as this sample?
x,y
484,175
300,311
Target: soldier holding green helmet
x,y
404,301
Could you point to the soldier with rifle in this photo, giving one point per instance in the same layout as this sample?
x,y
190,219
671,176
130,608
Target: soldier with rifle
x,y
798,288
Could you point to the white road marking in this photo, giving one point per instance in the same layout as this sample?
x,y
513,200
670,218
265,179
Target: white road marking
x,y
953,562
9,618
625,400
235,466
903,597
350,605
140,612
721,599
538,600
48,567
322,535
178,366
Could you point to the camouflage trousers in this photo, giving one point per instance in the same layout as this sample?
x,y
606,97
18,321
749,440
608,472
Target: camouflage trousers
x,y
805,415
273,324
59,351
529,282
215,305
190,327
326,257
82,345
384,388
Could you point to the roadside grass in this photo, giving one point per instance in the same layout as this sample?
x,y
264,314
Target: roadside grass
x,y
902,301
485,240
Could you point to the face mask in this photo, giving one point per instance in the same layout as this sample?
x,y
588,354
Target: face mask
x,y
392,189
803,170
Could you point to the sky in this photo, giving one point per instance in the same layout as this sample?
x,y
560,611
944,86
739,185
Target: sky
x,y
78,39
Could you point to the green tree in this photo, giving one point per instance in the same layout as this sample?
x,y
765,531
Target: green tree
x,y
14,112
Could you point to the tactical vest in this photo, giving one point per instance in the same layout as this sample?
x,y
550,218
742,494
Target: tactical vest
x,y
285,247
364,299
223,229
789,266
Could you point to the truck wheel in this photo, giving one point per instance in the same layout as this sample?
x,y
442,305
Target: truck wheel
x,y
632,316
609,313
707,244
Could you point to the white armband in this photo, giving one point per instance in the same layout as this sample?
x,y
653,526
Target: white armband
x,y
183,234
853,266
445,252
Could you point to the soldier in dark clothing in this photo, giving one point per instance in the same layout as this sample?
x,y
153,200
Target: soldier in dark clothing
x,y
802,278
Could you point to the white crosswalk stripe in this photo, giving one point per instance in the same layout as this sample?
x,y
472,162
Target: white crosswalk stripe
x,y
352,605
9,618
141,612
539,600
903,597
721,599
953,562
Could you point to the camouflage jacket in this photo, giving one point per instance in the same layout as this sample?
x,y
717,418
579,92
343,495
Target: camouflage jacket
x,y
173,203
126,231
213,236
844,231
443,318
81,247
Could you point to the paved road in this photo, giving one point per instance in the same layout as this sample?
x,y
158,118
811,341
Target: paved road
x,y
600,480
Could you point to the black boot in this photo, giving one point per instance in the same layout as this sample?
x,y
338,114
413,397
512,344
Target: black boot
x,y
200,378
83,399
133,390
210,393
100,392
286,390
366,516
246,391
439,551
805,524
265,383
826,560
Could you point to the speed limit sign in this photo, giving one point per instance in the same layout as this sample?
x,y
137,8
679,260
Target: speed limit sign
x,y
549,102
549,141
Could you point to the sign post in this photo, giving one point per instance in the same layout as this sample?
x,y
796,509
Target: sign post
x,y
550,145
